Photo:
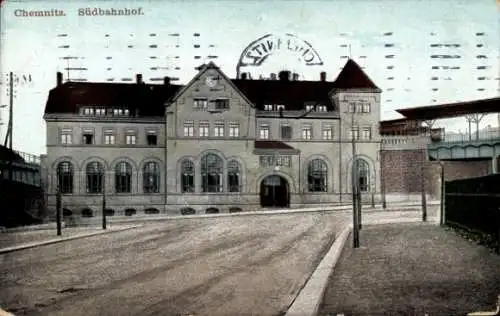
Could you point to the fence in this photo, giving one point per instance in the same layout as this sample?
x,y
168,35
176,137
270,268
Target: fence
x,y
475,204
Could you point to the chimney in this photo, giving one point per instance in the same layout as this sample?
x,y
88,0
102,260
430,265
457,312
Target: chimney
x,y
166,81
273,76
295,76
59,78
284,75
138,78
322,76
243,76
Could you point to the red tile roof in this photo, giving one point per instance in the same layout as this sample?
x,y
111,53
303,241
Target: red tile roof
x,y
271,144
353,77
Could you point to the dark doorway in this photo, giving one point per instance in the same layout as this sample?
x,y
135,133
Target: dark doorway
x,y
274,192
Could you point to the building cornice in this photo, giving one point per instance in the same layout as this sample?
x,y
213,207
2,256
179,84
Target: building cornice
x,y
103,119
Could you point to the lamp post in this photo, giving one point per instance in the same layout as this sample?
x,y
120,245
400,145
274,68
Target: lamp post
x,y
104,202
422,188
355,211
58,211
443,195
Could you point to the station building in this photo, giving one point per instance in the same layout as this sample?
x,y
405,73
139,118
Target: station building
x,y
213,145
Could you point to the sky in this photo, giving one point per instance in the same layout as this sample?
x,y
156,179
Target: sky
x,y
419,52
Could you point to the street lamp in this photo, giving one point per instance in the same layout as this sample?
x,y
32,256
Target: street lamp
x,y
104,201
58,211
355,187
443,194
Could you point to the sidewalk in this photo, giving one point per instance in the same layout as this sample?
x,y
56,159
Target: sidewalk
x,y
412,269
17,240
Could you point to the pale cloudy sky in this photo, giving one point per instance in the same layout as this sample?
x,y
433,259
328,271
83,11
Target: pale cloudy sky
x,y
393,40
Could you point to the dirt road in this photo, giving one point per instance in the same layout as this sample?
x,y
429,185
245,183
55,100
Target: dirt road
x,y
249,265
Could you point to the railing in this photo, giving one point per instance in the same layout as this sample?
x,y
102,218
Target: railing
x,y
465,138
402,142
29,158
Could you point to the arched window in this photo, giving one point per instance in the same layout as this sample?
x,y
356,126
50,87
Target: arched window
x,y
151,177
123,177
317,176
95,177
211,173
65,177
187,176
363,175
233,176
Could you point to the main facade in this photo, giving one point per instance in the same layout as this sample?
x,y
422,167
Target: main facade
x,y
213,145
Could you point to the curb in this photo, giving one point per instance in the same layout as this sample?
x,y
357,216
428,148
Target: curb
x,y
54,241
308,301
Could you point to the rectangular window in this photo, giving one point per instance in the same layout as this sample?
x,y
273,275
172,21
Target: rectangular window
x,y
88,138
189,128
286,132
100,111
366,108
367,133
359,107
204,127
219,129
309,107
264,131
327,132
354,133
152,139
268,107
221,104
66,137
109,139
352,107
88,111
130,139
307,132
321,108
200,103
234,129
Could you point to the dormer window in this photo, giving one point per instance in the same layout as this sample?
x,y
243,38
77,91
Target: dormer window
x,y
221,104
280,107
309,107
88,111
268,107
200,103
321,108
100,111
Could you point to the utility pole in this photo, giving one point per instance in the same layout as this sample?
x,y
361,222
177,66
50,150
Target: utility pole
x,y
104,201
10,124
58,211
422,187
355,216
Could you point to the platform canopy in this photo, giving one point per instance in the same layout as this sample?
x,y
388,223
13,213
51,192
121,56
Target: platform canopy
x,y
448,110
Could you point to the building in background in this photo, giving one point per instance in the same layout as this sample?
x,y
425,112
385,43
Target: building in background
x,y
213,145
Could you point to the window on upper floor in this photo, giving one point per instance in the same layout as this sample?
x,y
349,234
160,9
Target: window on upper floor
x,y
268,107
200,103
130,137
88,111
219,129
352,107
234,129
88,138
327,132
280,107
321,108
204,128
100,111
307,132
109,139
264,131
152,138
286,132
366,108
221,104
309,107
66,137
189,129
367,133
354,133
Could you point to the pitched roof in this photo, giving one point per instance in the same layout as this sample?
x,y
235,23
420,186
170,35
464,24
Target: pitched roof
x,y
353,77
150,99
293,94
6,154
140,99
271,144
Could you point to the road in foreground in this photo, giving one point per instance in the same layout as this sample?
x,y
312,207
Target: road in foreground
x,y
245,265
412,269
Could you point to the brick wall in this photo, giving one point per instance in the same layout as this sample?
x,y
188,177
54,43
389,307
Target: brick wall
x,y
402,173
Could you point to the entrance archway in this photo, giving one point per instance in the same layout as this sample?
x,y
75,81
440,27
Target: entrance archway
x,y
274,192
